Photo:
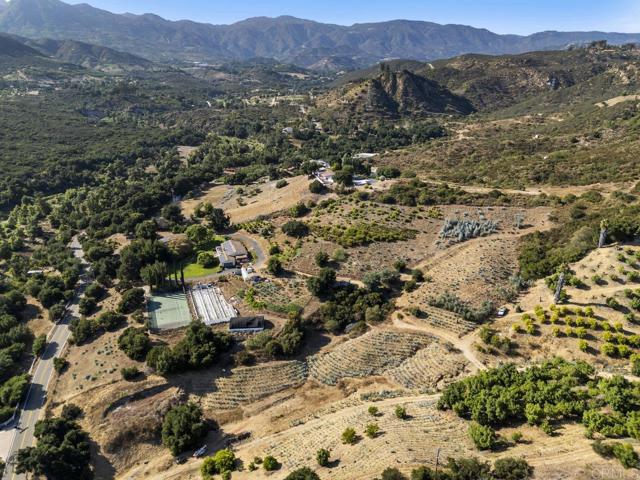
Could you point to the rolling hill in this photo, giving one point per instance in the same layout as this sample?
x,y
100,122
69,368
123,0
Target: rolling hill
x,y
396,93
491,83
287,39
89,56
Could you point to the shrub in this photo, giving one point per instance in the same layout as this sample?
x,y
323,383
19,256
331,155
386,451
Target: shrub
x,y
274,266
281,183
304,473
339,255
583,345
625,453
401,412
316,187
392,474
295,228
322,457
39,344
207,260
322,259
130,373
222,461
131,300
483,437
87,305
372,430
183,428
245,358
60,364
299,210
270,464
349,436
110,320
71,411
373,410
509,468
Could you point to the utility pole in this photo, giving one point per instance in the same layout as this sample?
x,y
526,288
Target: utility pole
x,y
437,462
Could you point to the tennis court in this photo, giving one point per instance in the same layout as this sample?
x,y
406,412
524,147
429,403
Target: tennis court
x,y
168,311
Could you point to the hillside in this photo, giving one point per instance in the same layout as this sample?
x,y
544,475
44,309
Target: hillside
x,y
90,56
396,93
11,47
19,61
288,39
492,83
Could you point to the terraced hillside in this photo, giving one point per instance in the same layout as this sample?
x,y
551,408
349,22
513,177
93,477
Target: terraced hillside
x,y
433,366
400,442
246,385
371,354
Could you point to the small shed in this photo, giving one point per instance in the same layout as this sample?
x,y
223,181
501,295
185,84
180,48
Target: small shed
x,y
246,324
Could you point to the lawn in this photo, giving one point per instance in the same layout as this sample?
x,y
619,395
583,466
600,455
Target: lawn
x,y
193,270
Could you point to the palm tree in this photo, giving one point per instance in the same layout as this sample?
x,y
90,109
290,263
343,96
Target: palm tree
x,y
562,272
604,226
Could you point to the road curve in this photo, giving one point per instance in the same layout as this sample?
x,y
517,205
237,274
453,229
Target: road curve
x,y
32,406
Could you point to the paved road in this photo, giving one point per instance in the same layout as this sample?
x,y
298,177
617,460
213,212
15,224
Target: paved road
x,y
32,408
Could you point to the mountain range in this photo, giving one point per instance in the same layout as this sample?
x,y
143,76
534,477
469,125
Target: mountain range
x,y
287,39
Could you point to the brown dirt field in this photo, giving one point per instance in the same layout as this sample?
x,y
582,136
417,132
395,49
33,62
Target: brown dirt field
x,y
420,251
270,199
120,241
532,348
403,444
476,269
37,317
184,152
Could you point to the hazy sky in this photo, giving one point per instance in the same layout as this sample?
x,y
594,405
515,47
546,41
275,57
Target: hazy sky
x,y
501,16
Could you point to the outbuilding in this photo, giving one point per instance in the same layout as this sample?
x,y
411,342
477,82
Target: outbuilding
x,y
246,324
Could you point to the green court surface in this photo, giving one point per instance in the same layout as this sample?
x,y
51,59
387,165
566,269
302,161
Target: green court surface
x,y
168,310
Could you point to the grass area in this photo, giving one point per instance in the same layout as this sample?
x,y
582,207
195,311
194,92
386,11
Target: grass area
x,y
193,270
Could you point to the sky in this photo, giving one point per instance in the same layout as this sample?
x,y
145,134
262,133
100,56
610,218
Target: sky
x,y
500,16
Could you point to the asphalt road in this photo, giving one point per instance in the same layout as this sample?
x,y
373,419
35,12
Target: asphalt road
x,y
32,408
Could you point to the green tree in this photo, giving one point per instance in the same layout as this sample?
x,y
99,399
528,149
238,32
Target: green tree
x,y
304,473
509,468
372,430
270,464
222,461
322,457
131,300
62,451
323,284
274,266
39,344
392,474
322,259
484,438
207,260
349,436
401,412
183,428
135,343
295,228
